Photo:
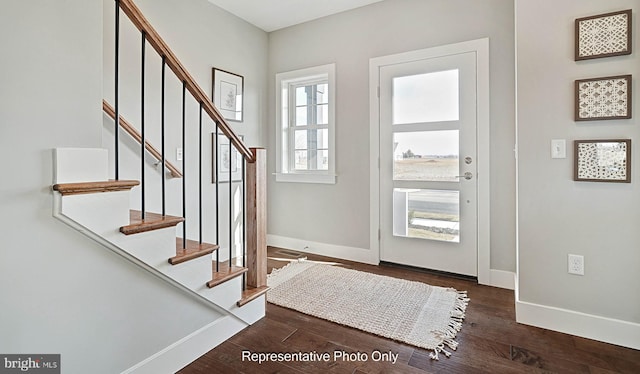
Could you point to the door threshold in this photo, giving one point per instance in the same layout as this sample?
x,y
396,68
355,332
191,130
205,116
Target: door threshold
x,y
430,271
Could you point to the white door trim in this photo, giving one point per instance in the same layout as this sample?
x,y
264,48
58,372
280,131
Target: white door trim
x,y
481,48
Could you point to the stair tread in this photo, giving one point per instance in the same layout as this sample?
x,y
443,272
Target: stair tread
x,y
225,273
193,250
252,293
152,221
94,187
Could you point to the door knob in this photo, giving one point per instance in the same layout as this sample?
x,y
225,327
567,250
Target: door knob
x,y
468,175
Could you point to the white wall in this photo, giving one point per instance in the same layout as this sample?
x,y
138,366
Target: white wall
x,y
558,216
61,292
202,36
339,214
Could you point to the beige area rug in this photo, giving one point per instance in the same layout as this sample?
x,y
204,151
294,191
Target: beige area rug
x,y
411,312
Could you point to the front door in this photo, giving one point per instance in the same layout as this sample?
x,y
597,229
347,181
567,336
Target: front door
x,y
428,172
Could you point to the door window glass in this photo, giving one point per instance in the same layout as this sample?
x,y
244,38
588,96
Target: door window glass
x,y
426,156
426,214
430,97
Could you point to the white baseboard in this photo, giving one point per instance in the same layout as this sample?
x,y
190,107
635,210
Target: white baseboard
x,y
364,255
498,278
188,349
623,333
502,279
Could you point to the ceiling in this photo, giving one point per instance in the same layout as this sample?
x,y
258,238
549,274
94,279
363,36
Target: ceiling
x,y
271,15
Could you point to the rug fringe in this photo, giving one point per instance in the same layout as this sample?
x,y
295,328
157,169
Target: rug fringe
x,y
455,325
278,270
277,276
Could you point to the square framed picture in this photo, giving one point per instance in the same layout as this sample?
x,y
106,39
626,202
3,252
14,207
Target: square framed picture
x,y
602,160
603,35
225,159
228,94
603,98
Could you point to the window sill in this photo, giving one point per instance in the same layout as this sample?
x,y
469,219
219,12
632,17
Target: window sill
x,y
306,178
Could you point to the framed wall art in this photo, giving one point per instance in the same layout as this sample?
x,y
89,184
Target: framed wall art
x,y
603,98
602,160
228,94
603,35
224,159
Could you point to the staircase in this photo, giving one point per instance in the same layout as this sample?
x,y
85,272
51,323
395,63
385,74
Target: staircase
x,y
232,284
100,209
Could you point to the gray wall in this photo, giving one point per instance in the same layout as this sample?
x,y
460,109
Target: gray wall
x,y
61,292
202,36
339,214
558,216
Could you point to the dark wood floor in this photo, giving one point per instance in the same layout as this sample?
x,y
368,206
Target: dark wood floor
x,y
490,341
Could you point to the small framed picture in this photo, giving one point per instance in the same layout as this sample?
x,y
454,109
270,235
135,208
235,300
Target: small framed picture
x,y
603,35
228,94
603,98
603,160
225,158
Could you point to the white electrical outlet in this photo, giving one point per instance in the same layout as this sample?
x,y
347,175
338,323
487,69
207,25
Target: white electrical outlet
x,y
576,264
178,154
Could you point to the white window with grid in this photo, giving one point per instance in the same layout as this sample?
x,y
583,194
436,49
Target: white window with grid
x,y
306,125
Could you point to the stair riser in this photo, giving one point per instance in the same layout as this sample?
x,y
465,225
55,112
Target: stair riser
x,y
102,213
190,273
152,247
226,294
252,311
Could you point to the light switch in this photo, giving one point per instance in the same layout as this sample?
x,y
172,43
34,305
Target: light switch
x,y
558,148
178,154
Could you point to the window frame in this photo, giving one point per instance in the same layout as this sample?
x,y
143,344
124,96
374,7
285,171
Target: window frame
x,y
286,83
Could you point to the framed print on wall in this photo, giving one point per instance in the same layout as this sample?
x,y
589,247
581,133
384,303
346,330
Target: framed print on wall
x,y
603,98
603,35
602,160
225,158
228,94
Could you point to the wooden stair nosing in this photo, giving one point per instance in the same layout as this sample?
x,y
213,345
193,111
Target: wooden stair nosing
x,y
224,274
94,187
193,250
152,221
252,293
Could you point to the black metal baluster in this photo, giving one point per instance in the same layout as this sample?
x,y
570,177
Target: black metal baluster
x,y
244,222
200,176
217,176
164,197
117,81
230,202
142,134
184,162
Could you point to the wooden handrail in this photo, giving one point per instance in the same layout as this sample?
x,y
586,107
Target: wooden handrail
x,y
152,36
126,126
